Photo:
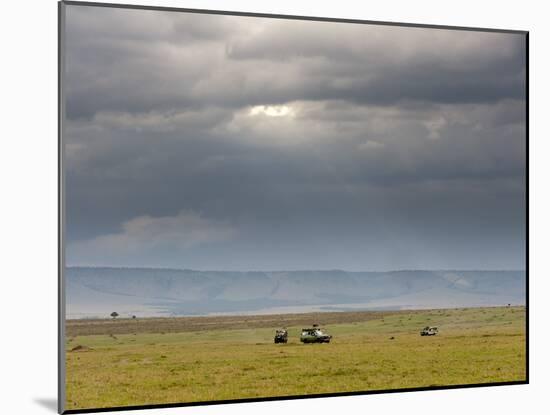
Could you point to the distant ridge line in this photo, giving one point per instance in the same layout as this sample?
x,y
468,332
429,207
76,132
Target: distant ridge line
x,y
147,268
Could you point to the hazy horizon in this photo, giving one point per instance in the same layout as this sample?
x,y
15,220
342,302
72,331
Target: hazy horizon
x,y
168,292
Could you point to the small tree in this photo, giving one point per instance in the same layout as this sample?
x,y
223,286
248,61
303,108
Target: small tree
x,y
114,315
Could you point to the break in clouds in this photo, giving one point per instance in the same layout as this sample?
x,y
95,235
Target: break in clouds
x,y
223,142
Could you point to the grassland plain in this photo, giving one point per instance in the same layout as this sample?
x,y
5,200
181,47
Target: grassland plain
x,y
193,359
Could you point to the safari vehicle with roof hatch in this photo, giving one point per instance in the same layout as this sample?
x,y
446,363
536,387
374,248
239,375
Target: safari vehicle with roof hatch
x,y
314,335
281,336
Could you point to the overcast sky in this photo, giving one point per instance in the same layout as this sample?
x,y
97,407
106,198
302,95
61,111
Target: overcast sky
x,y
241,143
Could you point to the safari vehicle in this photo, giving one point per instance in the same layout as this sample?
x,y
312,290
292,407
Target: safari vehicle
x,y
314,335
281,336
428,331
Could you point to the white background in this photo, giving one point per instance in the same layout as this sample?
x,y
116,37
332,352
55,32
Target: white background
x,y
28,204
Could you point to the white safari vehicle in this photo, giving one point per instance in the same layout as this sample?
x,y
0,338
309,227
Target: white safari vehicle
x,y
428,331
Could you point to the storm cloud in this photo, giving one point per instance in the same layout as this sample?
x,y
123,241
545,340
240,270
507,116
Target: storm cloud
x,y
225,142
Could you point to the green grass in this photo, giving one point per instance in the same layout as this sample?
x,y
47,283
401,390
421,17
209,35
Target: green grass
x,y
474,346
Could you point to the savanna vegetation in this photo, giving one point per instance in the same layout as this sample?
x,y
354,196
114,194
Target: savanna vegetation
x,y
118,362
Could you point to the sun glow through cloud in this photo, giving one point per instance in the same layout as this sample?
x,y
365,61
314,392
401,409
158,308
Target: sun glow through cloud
x,y
272,110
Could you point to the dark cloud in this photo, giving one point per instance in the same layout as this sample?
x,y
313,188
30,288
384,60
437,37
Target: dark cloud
x,y
230,142
140,61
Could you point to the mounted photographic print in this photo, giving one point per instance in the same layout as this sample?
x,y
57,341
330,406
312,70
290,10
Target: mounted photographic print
x,y
264,207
